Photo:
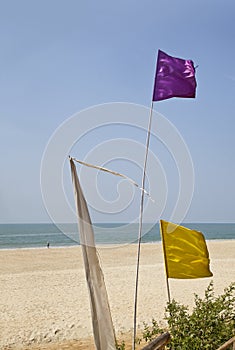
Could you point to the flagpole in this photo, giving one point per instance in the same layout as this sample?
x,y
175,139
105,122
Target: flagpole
x,y
164,88
141,222
178,82
165,260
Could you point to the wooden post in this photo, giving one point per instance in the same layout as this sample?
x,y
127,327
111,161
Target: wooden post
x,y
159,342
227,344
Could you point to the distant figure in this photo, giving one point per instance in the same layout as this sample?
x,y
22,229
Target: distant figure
x,y
48,244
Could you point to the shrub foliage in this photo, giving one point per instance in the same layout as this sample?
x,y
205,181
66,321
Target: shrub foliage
x,y
211,323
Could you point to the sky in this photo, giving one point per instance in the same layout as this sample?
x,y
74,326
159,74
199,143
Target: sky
x,y
59,58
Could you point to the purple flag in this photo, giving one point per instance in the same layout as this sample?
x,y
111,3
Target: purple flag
x,y
175,77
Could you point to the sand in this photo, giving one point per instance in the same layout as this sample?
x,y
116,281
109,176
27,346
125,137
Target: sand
x,y
44,300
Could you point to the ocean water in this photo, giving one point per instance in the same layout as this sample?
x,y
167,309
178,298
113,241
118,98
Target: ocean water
x,y
13,236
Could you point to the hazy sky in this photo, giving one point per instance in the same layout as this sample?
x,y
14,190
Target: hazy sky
x,y
60,57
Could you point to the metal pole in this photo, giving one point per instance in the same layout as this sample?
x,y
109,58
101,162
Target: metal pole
x,y
165,260
141,224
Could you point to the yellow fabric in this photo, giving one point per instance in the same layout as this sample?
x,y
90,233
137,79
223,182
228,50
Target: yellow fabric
x,y
185,251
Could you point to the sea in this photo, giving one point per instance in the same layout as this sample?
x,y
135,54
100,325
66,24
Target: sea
x,y
18,236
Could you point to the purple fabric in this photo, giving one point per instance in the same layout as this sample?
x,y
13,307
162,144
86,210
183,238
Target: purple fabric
x,y
175,77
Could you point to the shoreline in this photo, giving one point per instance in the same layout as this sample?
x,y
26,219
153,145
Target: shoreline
x,y
45,299
105,245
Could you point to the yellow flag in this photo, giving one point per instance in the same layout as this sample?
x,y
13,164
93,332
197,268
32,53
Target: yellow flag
x,y
185,251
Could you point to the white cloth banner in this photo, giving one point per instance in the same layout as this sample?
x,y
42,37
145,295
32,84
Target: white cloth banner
x,y
113,173
103,330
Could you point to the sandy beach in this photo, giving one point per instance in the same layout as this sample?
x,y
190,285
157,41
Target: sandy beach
x,y
44,300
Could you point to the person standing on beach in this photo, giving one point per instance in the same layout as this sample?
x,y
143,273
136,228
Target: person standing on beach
x,y
48,245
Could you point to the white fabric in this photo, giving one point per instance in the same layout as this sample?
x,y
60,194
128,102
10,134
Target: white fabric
x,y
103,330
113,173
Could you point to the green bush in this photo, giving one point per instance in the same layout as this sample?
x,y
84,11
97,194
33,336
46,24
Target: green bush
x,y
211,323
149,334
121,346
